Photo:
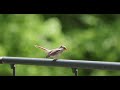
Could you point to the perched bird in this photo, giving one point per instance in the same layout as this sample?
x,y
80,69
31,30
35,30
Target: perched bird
x,y
55,53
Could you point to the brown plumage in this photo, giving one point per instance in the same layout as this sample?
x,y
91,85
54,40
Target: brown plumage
x,y
45,49
54,52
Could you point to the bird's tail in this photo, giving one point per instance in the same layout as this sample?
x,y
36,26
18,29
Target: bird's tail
x,y
45,49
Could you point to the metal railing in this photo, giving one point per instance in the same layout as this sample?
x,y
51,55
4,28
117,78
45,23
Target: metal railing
x,y
74,64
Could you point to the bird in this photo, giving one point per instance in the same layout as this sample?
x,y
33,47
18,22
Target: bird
x,y
54,53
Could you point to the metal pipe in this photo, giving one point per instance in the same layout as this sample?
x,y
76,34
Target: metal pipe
x,y
13,68
84,64
75,71
1,60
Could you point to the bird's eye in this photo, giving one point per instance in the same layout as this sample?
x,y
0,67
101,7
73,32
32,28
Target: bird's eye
x,y
60,46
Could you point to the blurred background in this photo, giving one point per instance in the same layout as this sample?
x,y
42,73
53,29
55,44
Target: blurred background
x,y
87,36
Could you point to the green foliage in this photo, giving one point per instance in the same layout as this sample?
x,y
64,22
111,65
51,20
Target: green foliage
x,y
87,36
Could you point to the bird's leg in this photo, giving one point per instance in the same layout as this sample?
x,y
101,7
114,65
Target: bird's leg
x,y
55,58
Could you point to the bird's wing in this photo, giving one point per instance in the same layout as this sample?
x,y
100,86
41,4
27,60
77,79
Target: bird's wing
x,y
54,52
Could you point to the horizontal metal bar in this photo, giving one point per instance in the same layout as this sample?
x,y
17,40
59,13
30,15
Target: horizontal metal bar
x,y
1,60
85,64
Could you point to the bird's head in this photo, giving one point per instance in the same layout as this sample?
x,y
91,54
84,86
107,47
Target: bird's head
x,y
63,47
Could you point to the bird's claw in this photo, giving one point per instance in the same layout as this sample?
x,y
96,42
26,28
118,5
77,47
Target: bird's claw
x,y
54,59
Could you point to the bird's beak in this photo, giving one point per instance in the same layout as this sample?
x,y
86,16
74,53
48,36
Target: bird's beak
x,y
65,48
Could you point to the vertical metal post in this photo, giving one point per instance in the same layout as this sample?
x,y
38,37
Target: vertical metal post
x,y
13,68
75,71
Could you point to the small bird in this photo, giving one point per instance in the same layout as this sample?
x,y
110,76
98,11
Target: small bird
x,y
55,53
